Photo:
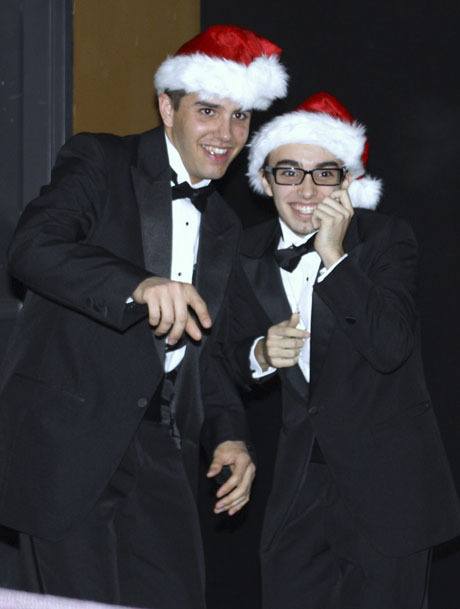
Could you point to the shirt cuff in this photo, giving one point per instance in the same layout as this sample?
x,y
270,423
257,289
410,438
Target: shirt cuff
x,y
256,370
325,272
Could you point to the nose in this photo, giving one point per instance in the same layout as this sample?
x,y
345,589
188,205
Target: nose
x,y
307,188
224,129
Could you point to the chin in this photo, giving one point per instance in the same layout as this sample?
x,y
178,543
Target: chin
x,y
216,173
303,230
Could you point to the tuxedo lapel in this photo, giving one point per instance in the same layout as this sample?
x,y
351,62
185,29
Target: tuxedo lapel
x,y
152,186
265,278
322,319
216,254
322,324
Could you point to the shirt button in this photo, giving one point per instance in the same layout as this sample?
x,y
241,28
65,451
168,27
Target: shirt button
x,y
313,410
187,223
142,402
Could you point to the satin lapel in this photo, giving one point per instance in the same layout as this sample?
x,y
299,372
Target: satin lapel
x,y
151,181
216,253
322,324
322,319
155,209
265,278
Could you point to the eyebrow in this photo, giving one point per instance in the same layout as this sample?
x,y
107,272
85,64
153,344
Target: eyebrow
x,y
293,163
207,104
327,164
290,162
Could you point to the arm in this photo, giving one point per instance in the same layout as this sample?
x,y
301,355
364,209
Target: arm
x,y
51,252
373,301
225,437
54,254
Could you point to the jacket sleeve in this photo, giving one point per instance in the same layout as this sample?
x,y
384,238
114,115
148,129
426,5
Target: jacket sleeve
x,y
373,301
225,416
51,252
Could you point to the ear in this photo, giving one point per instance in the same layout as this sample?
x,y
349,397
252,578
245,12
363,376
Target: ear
x,y
166,109
266,184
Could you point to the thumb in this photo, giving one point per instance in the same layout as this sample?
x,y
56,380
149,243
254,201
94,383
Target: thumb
x,y
214,468
294,320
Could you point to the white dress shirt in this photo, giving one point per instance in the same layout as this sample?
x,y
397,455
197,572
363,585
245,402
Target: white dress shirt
x,y
298,287
185,238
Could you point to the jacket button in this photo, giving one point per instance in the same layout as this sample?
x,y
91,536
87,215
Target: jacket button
x,y
142,402
313,410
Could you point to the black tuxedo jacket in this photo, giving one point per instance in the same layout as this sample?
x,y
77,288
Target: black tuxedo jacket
x,y
82,365
367,403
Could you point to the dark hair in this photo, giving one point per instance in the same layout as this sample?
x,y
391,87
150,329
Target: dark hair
x,y
175,97
266,162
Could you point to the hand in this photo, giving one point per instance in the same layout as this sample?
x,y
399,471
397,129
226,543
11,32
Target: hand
x,y
282,345
332,217
235,492
169,303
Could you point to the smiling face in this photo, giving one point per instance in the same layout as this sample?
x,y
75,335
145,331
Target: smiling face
x,y
208,134
296,204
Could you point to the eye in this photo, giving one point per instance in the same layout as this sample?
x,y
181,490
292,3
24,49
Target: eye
x,y
207,111
241,116
287,172
327,173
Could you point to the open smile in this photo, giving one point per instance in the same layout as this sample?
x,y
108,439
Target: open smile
x,y
215,152
302,209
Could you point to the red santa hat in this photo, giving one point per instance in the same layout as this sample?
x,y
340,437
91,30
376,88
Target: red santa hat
x,y
321,120
226,61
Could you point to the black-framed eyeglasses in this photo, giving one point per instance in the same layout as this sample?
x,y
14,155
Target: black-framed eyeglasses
x,y
293,176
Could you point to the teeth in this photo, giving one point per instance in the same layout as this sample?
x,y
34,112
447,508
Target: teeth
x,y
304,209
215,151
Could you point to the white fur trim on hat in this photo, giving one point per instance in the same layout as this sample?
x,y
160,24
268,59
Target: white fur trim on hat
x,y
253,86
344,140
365,192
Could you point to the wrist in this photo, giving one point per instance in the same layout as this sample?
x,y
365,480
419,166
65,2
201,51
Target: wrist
x,y
331,257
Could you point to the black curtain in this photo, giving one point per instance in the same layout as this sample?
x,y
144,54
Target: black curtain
x,y
395,65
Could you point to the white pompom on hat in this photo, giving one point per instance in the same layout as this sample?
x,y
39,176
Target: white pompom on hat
x,y
321,120
226,61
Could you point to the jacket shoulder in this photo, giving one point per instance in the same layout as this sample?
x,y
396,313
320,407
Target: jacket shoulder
x,y
372,223
256,239
107,145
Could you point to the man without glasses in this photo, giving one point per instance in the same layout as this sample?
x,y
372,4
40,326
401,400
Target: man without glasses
x,y
361,487
126,256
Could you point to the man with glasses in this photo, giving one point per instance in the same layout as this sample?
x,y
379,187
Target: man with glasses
x,y
324,303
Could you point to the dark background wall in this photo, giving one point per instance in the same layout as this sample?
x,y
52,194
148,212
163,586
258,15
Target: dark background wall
x,y
35,109
395,65
35,74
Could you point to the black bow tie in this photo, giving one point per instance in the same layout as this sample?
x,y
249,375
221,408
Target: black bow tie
x,y
289,258
198,196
